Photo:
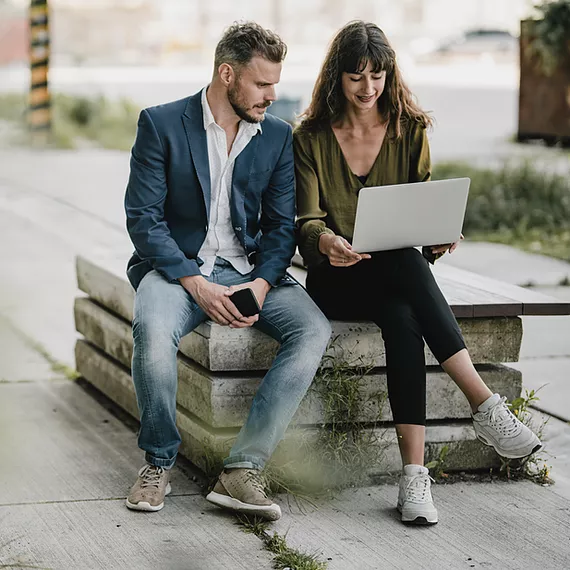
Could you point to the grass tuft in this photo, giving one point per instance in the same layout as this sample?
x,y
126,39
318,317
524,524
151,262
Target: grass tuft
x,y
285,556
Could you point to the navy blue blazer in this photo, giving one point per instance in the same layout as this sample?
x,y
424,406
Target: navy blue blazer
x,y
167,201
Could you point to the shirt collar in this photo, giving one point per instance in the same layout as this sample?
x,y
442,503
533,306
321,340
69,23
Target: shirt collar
x,y
208,117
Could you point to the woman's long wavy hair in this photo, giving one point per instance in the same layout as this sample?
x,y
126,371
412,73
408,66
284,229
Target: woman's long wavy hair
x,y
352,48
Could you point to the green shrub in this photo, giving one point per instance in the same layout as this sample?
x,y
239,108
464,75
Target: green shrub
x,y
515,198
107,123
516,204
551,34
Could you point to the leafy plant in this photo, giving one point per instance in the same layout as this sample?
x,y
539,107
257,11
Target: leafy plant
x,y
347,447
516,204
344,449
532,467
550,43
437,466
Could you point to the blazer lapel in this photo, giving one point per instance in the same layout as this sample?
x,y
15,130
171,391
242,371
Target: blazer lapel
x,y
196,135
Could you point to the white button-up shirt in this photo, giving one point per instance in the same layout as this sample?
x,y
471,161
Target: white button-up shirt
x,y
221,240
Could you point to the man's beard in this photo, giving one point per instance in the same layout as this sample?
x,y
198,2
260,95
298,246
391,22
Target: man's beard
x,y
239,108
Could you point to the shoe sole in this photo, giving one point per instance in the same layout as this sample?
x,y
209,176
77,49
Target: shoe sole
x,y
144,506
520,455
269,512
420,520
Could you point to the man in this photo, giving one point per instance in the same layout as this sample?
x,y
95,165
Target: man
x,y
210,209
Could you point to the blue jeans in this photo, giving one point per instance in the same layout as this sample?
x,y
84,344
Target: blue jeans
x,y
165,312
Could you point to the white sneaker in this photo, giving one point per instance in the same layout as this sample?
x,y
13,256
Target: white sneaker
x,y
497,426
414,498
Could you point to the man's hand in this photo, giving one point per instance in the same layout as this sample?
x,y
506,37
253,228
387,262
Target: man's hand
x,y
260,288
212,299
339,251
443,248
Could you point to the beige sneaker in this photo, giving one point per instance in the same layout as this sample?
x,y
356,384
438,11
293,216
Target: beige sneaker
x,y
242,490
147,494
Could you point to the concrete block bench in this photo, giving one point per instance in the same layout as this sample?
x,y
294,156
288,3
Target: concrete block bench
x,y
220,368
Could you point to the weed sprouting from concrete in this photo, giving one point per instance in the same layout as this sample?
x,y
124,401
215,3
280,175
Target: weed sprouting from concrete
x,y
348,446
284,556
343,450
437,466
534,466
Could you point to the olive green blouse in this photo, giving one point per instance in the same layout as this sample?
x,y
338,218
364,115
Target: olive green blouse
x,y
327,190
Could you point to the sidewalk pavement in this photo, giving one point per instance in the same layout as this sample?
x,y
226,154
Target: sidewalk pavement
x,y
72,458
68,464
61,493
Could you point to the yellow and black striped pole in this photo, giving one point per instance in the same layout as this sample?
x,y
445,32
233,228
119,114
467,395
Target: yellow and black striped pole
x,y
39,115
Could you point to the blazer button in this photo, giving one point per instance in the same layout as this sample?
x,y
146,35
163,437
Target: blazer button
x,y
238,229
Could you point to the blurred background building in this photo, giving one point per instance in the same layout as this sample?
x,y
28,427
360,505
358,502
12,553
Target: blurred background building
x,y
175,32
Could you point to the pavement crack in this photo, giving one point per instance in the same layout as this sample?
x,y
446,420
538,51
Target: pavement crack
x,y
71,501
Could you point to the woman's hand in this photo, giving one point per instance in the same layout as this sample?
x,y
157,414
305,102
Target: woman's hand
x,y
339,251
436,249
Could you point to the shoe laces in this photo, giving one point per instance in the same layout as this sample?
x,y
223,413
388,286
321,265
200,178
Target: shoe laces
x,y
418,487
151,476
503,420
255,479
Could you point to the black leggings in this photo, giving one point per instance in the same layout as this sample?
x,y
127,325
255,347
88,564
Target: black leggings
x,y
397,291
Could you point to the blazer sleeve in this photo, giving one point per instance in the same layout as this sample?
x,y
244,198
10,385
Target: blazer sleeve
x,y
310,216
144,206
277,223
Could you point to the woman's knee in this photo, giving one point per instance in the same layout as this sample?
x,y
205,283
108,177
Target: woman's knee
x,y
399,323
412,260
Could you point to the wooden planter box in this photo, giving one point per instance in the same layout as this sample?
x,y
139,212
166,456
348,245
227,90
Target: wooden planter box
x,y
544,100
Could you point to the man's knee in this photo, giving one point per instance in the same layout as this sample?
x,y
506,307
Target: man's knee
x,y
155,334
313,330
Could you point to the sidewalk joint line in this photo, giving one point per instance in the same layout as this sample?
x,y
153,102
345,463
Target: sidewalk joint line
x,y
551,414
32,503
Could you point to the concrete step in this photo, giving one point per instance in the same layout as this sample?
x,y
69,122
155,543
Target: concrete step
x,y
205,445
218,348
223,399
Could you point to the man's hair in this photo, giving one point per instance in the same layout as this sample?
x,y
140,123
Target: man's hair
x,y
242,41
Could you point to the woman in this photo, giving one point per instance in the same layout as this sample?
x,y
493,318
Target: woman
x,y
363,127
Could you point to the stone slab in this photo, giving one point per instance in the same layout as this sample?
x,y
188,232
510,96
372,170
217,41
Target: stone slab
x,y
221,348
204,445
223,399
218,348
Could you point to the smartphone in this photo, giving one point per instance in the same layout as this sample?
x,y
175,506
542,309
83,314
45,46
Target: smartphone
x,y
245,301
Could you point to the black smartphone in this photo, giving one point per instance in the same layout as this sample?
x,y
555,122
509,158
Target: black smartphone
x,y
245,301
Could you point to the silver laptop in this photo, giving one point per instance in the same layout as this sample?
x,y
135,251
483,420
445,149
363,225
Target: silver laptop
x,y
409,215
